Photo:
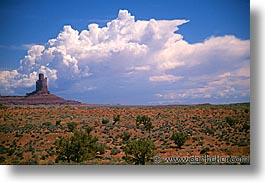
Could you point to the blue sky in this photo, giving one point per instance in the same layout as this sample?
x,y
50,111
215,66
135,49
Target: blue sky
x,y
159,73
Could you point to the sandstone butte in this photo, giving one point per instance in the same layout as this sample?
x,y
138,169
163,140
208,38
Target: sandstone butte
x,y
41,96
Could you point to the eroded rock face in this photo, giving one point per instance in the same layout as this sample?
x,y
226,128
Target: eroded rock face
x,y
41,86
41,96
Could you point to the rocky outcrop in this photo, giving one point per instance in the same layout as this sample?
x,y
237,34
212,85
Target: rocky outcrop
x,y
41,96
36,99
41,86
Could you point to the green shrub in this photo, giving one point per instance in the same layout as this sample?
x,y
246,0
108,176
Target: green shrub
x,y
116,118
3,106
126,136
46,124
114,151
58,123
2,159
205,150
245,127
210,131
179,138
146,121
28,126
89,129
101,148
139,151
242,143
80,147
231,121
20,154
105,121
3,150
71,126
142,120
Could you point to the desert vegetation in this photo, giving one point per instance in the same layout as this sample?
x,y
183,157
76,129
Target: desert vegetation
x,y
121,135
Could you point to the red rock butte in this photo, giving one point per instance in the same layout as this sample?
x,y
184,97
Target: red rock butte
x,y
41,86
41,96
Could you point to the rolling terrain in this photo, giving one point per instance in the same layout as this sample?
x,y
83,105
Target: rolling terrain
x,y
28,133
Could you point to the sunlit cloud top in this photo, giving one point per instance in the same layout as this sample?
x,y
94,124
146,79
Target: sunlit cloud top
x,y
132,61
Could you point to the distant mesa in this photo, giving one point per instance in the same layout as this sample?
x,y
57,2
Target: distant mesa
x,y
41,86
41,96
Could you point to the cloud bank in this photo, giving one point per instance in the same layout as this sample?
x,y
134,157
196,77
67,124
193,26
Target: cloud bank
x,y
136,62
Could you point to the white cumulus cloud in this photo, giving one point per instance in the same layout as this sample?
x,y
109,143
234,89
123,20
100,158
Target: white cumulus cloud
x,y
165,78
128,55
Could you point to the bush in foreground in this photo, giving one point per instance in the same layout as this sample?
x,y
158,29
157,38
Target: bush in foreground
x,y
179,138
80,147
146,121
71,126
139,151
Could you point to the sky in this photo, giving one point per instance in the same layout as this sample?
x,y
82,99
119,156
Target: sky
x,y
128,52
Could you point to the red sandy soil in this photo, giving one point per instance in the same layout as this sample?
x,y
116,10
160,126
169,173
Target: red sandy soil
x,y
21,129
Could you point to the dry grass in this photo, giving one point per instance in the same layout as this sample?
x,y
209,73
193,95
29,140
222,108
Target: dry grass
x,y
24,139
